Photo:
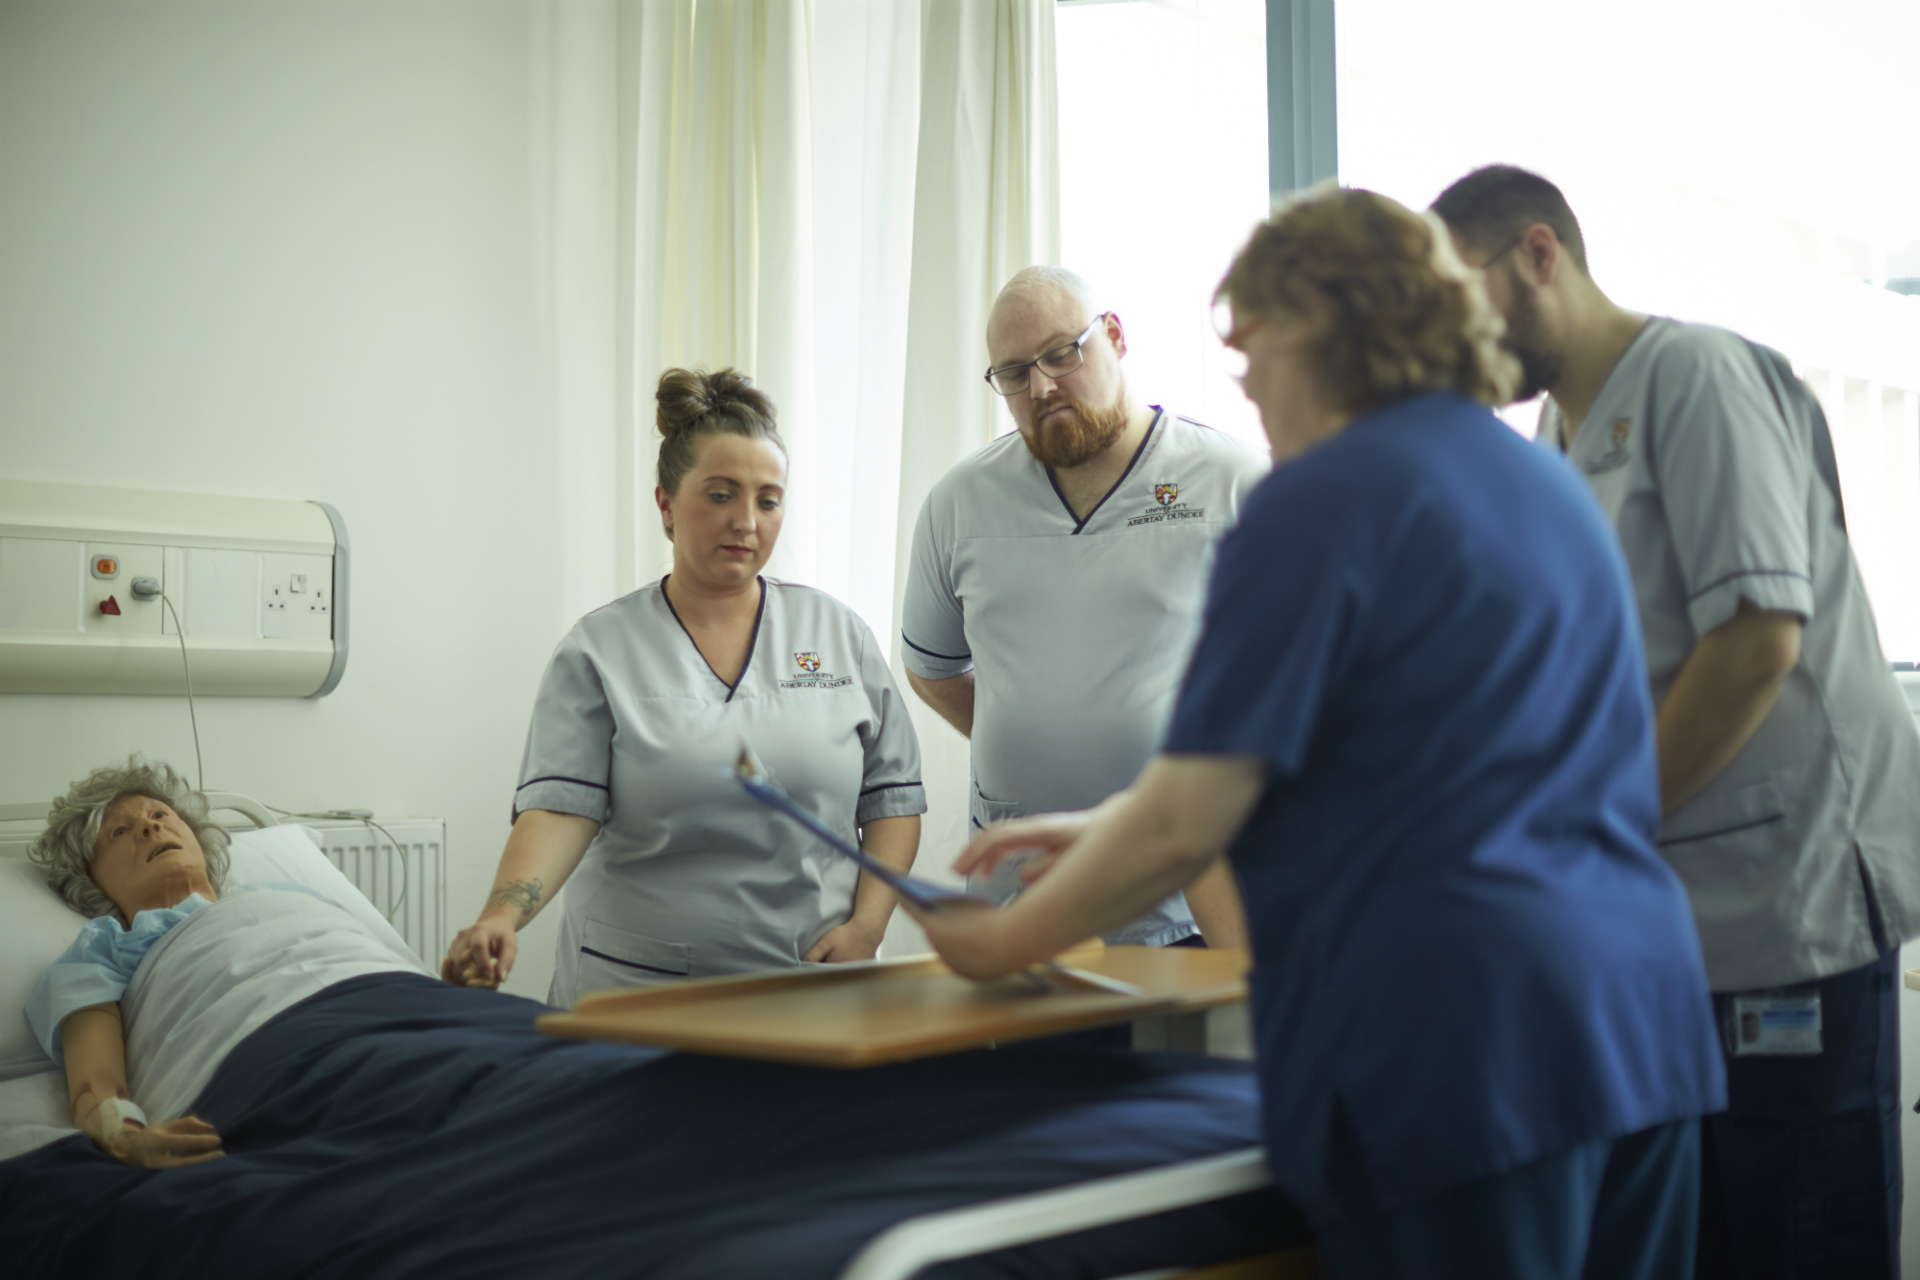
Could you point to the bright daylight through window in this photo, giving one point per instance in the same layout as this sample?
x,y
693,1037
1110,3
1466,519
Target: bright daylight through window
x,y
1742,163
1163,175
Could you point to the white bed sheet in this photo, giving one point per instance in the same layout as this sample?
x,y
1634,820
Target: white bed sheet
x,y
33,1112
226,970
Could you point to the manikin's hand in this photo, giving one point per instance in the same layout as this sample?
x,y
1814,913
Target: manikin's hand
x,y
188,1140
850,941
482,954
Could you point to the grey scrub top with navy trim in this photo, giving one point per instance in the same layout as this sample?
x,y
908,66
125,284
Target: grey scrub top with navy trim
x,y
1077,630
1704,461
687,877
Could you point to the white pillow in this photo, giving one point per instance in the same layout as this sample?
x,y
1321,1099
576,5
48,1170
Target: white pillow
x,y
36,926
291,854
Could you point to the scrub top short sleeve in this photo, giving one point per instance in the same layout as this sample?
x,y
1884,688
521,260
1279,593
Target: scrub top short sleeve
x,y
1721,440
890,777
933,623
570,743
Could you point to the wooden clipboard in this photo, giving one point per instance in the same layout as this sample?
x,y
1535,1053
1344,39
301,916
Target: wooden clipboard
x,y
863,1015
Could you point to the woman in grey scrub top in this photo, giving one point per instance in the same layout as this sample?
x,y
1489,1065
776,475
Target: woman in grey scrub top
x,y
625,791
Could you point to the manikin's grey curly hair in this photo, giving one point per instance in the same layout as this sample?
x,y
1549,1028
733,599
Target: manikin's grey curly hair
x,y
64,850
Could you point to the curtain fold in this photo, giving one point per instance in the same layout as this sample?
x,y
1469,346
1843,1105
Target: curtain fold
x,y
986,203
827,194
722,214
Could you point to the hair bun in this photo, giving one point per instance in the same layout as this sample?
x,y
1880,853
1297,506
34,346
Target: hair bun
x,y
689,403
685,397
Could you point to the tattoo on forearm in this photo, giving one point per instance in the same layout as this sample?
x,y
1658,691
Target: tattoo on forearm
x,y
524,894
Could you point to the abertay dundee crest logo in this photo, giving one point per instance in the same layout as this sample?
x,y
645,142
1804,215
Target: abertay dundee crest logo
x,y
1167,507
811,676
1618,452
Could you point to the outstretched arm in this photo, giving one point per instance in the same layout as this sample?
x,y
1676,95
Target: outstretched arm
x,y
93,1042
542,851
1107,865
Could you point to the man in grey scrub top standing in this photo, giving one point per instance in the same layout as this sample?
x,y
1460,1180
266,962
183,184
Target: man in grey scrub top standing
x,y
1057,580
1789,763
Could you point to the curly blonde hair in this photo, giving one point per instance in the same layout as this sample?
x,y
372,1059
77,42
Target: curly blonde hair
x,y
64,851
1402,315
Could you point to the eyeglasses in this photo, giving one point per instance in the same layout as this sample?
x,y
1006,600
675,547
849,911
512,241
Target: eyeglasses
x,y
1510,247
1012,379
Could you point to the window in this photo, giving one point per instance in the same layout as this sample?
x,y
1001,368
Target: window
x,y
1735,164
1163,176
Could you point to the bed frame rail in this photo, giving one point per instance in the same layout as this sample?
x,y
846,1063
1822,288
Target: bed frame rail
x,y
911,1246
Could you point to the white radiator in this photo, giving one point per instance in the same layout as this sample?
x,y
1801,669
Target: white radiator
x,y
407,885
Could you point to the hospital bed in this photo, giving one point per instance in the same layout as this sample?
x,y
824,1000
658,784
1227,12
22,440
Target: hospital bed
x,y
1083,1221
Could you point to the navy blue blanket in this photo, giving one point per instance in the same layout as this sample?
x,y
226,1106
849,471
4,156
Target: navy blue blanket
x,y
397,1126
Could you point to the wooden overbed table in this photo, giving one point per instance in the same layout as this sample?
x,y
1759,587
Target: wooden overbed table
x,y
863,1015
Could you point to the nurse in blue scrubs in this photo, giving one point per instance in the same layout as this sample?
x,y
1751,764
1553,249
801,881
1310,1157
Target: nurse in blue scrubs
x,y
1417,722
626,792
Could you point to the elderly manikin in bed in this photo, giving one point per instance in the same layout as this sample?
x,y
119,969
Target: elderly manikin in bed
x,y
172,973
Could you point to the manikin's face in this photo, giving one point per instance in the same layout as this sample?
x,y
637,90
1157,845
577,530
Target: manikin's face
x,y
1073,418
146,856
1280,381
726,517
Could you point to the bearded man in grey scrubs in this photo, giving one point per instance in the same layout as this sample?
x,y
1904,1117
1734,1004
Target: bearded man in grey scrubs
x,y
1058,575
1789,764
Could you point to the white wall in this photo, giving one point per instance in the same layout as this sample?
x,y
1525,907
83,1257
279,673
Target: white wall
x,y
302,250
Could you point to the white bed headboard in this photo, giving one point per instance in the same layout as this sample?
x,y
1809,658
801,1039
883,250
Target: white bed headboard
x,y
21,824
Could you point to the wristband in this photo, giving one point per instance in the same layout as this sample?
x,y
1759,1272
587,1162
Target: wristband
x,y
115,1113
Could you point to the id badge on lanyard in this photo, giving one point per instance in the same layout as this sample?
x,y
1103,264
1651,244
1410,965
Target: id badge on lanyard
x,y
1772,1023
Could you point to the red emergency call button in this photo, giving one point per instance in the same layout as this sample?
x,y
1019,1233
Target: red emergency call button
x,y
109,605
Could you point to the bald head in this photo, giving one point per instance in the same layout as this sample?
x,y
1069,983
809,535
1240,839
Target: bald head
x,y
1053,292
1041,286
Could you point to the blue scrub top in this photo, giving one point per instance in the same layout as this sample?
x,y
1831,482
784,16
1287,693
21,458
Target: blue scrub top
x,y
1463,935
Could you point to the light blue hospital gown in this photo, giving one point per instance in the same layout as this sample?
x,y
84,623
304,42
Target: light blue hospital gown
x,y
101,962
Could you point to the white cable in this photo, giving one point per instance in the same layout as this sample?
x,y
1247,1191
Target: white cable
x,y
399,849
200,769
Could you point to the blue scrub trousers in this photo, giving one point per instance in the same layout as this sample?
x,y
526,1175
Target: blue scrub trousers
x,y
1800,1176
1617,1209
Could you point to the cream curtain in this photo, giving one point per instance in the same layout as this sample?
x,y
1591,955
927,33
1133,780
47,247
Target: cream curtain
x,y
986,203
827,194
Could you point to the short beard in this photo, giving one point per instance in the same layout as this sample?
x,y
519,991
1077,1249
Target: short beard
x,y
1540,365
1077,436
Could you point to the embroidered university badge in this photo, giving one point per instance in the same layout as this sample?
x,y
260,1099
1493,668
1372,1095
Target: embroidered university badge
x,y
1167,508
1617,454
809,662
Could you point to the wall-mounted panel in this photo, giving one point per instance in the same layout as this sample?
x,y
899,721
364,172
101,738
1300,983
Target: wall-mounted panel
x,y
258,585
